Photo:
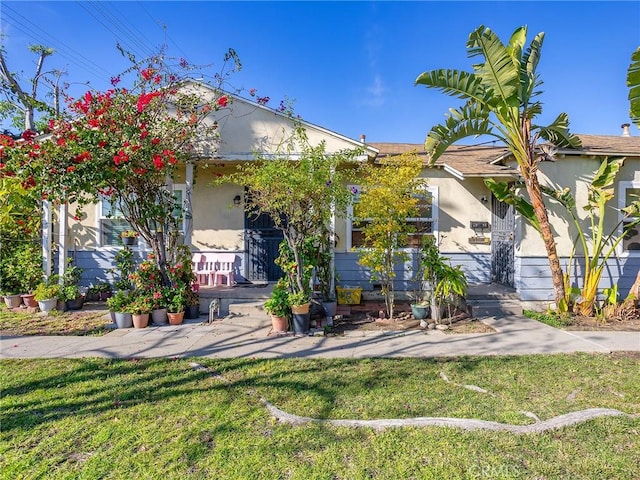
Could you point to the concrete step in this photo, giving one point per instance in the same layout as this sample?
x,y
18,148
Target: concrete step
x,y
246,308
493,308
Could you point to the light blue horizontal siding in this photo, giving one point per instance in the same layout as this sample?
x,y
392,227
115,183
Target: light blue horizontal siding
x,y
477,268
533,276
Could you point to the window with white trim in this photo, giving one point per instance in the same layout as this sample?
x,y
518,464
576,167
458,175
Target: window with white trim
x,y
629,192
112,223
424,224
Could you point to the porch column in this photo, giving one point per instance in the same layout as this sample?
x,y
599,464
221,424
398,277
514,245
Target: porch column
x,y
62,240
187,204
47,233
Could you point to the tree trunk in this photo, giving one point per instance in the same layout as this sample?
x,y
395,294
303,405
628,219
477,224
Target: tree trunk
x,y
533,189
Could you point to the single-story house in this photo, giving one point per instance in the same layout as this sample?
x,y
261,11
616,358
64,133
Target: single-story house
x,y
473,229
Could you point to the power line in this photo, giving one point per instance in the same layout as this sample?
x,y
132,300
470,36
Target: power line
x,y
42,37
164,30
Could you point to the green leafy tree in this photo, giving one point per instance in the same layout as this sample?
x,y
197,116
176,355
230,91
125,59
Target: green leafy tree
x,y
126,144
390,195
500,101
299,195
633,82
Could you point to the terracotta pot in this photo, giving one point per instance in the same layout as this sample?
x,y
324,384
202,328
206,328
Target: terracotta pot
x,y
140,320
175,318
28,300
279,324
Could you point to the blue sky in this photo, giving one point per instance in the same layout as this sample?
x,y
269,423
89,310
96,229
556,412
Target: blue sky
x,y
349,66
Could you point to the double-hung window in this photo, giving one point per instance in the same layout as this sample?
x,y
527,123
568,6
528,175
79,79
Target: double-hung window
x,y
424,224
112,222
629,192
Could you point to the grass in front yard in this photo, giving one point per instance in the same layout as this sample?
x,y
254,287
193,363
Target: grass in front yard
x,y
161,418
77,322
552,319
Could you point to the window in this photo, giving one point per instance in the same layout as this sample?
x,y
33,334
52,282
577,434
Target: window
x,y
629,193
111,223
424,224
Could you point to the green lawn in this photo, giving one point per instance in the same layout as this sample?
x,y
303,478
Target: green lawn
x,y
163,419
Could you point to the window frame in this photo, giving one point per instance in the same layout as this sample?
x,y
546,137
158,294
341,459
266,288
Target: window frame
x,y
623,186
142,245
433,190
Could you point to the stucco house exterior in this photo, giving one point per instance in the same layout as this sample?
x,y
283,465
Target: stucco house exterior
x,y
473,229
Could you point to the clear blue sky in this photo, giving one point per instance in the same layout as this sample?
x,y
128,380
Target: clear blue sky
x,y
349,66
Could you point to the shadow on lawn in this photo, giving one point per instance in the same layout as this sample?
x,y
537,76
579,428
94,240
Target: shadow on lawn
x,y
83,387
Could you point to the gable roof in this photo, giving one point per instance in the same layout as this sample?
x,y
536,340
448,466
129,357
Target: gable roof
x,y
467,161
461,161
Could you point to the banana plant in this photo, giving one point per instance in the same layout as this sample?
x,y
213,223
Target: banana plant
x,y
500,101
600,245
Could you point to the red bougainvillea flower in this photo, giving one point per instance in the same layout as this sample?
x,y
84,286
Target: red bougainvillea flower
x,y
71,168
147,73
263,100
139,171
252,92
144,100
158,162
157,79
155,141
223,101
183,63
28,135
121,157
115,80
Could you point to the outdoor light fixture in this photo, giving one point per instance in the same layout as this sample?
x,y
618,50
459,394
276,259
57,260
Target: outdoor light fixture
x,y
236,200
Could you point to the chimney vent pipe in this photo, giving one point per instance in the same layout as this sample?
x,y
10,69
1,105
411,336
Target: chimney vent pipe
x,y
363,138
625,130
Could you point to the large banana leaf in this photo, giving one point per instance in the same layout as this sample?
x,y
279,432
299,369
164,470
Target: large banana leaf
x,y
506,193
558,133
633,82
455,83
498,72
470,120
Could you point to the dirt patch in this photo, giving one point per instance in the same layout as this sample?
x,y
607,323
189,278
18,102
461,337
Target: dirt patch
x,y
363,319
627,324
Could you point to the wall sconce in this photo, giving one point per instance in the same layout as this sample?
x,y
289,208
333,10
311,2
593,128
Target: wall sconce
x,y
484,199
236,200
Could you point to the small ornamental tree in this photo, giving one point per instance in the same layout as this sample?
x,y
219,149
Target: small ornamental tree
x,y
390,195
125,145
300,196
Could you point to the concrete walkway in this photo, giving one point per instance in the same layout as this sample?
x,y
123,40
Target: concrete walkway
x,y
248,337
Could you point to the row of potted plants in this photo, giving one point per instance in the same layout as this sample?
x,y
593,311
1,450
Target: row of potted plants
x,y
144,291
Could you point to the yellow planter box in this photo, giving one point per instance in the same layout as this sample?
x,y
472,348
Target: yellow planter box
x,y
349,296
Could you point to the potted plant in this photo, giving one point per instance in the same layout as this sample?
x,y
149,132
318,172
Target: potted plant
x,y
125,265
129,237
140,308
447,282
118,304
175,306
420,307
159,306
46,294
278,306
193,302
300,308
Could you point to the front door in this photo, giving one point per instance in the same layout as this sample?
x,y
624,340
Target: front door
x,y
262,240
502,243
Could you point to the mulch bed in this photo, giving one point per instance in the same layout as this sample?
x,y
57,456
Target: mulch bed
x,y
369,316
